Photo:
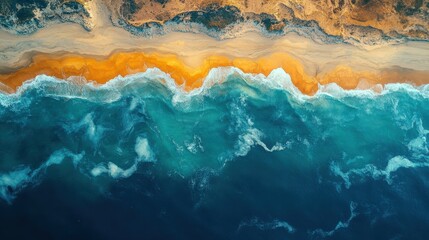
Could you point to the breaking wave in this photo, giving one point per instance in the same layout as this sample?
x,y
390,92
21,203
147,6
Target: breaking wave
x,y
241,139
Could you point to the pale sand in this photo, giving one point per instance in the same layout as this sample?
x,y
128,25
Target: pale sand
x,y
193,48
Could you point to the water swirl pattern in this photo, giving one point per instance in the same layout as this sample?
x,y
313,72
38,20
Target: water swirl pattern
x,y
219,119
242,157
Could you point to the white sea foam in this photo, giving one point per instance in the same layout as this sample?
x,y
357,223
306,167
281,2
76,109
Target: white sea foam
x,y
417,147
270,225
334,90
13,182
341,224
250,136
144,154
277,79
195,145
253,137
143,150
370,170
113,170
93,131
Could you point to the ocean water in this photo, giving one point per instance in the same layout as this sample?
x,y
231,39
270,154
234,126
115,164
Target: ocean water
x,y
243,157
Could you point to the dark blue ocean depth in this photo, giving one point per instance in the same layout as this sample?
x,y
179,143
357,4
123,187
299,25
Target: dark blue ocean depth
x,y
136,159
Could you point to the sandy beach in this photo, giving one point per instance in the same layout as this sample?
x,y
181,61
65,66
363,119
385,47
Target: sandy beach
x,y
188,56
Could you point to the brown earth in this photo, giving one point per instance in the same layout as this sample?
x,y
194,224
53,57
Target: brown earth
x,y
356,19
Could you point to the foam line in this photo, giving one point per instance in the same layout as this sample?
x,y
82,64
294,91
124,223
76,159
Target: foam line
x,y
264,226
278,79
144,154
370,170
340,225
417,147
11,183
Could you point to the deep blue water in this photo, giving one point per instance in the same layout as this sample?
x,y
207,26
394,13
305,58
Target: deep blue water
x,y
247,158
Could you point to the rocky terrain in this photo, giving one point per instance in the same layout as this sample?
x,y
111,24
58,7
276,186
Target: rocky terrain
x,y
355,21
361,21
27,16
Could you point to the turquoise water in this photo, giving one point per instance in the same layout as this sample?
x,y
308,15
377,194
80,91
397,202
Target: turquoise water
x,y
243,157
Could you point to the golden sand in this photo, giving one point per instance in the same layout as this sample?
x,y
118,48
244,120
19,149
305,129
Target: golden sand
x,y
102,70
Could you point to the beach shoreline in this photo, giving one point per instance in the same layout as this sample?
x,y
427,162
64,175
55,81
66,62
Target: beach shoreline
x,y
188,57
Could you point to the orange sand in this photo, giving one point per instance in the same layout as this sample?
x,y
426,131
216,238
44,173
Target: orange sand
x,y
102,70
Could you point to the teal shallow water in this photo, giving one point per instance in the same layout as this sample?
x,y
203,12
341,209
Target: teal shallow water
x,y
244,157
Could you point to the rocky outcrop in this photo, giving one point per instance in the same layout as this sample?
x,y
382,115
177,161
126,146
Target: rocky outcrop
x,y
357,21
27,16
367,22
